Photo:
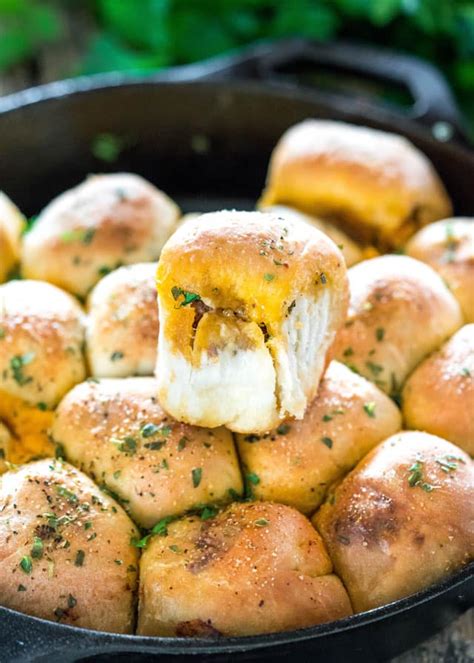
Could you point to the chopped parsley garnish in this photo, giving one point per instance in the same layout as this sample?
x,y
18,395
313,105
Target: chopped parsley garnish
x,y
26,564
269,277
323,278
71,601
128,446
104,270
465,372
116,474
327,441
59,452
253,478
37,548
17,363
85,235
174,548
449,463
117,355
379,333
182,443
160,529
42,406
283,429
415,477
196,474
369,409
21,588
107,147
348,352
208,512
80,556
67,494
148,430
155,446
375,369
189,297
262,522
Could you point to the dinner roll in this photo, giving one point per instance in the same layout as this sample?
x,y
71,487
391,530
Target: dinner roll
x,y
254,568
117,433
448,246
65,551
249,305
41,340
88,231
402,520
122,327
12,223
296,462
438,397
376,185
400,310
351,251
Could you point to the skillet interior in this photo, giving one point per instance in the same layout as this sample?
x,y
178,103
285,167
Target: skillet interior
x,y
180,136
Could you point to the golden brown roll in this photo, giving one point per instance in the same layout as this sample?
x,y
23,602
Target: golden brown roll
x,y
116,432
438,397
254,568
448,246
249,306
12,223
41,342
351,251
402,520
400,310
90,230
122,325
376,185
296,463
65,552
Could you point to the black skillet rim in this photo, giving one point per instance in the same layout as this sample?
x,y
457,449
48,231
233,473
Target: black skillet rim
x,y
245,643
102,82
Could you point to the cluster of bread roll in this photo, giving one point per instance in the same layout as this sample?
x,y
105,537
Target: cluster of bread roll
x,y
239,422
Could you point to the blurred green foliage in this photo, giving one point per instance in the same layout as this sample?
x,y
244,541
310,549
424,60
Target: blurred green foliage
x,y
142,35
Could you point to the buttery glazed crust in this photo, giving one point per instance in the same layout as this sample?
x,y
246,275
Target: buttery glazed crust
x,y
402,520
254,568
117,433
351,251
65,552
376,185
448,246
438,397
122,325
41,342
400,311
11,226
105,222
253,282
296,463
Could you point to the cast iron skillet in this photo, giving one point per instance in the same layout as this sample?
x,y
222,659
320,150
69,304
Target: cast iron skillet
x,y
204,134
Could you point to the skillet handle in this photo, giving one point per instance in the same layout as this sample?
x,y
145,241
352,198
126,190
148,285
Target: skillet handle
x,y
434,104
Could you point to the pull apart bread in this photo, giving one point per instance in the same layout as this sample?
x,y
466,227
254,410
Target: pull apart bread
x,y
250,304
